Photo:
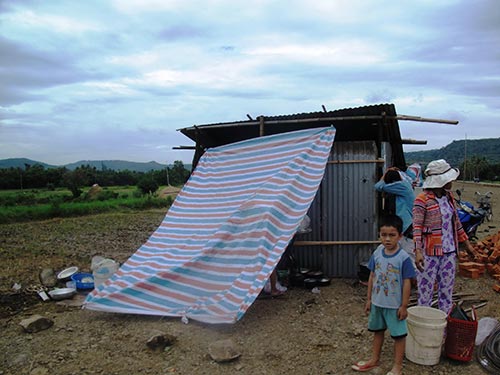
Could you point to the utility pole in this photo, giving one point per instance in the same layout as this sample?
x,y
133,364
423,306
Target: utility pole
x,y
465,157
168,178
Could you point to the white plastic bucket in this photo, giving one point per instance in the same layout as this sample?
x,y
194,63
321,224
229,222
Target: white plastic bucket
x,y
426,327
103,270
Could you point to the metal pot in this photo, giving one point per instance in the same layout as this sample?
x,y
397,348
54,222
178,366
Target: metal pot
x,y
310,282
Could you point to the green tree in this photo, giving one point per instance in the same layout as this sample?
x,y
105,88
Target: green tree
x,y
147,184
74,180
178,173
475,166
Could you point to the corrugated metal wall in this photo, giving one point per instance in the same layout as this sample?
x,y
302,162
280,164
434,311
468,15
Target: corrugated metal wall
x,y
345,209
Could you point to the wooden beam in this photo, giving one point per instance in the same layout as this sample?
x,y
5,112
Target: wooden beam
x,y
184,148
413,142
322,120
424,119
261,126
333,243
356,161
249,117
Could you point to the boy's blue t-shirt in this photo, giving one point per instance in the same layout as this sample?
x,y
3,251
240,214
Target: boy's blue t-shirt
x,y
389,273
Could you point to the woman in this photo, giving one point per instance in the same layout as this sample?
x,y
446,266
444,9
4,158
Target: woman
x,y
437,232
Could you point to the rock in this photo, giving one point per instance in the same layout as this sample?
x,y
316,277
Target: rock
x,y
48,277
160,341
21,359
223,351
39,371
358,332
36,323
76,301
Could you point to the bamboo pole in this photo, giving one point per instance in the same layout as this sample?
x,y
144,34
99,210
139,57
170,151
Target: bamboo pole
x,y
356,161
329,119
424,119
333,243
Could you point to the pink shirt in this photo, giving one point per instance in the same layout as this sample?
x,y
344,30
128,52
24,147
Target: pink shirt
x,y
447,222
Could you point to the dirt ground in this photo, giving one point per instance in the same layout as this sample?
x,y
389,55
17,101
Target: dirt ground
x,y
299,333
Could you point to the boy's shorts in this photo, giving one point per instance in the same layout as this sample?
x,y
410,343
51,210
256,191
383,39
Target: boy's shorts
x,y
381,318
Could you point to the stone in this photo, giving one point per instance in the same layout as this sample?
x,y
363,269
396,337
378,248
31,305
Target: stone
x,y
40,371
223,351
21,359
48,277
160,341
36,323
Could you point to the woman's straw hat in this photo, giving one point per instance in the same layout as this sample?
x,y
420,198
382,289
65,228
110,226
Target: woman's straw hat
x,y
438,173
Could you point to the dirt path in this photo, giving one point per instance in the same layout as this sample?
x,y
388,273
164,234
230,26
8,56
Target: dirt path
x,y
300,333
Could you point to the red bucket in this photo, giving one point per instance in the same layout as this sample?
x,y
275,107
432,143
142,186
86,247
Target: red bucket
x,y
460,338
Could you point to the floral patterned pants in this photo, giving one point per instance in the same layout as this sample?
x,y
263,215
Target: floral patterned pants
x,y
440,269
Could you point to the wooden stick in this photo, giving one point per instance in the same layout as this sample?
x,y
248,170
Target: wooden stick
x,y
333,243
476,307
381,161
423,119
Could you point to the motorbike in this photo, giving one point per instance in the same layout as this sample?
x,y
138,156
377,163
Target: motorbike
x,y
470,217
484,202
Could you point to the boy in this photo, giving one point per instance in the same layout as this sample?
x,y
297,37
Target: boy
x,y
391,270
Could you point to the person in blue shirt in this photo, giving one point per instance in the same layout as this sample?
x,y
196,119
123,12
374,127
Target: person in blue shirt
x,y
388,295
393,183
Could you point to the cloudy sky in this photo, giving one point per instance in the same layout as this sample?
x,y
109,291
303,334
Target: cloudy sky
x,y
91,80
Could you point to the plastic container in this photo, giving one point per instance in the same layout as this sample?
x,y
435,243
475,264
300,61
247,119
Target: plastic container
x,y
460,338
426,327
83,281
103,270
65,275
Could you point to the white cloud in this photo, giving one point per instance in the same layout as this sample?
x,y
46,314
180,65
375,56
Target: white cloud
x,y
332,53
53,23
131,72
139,6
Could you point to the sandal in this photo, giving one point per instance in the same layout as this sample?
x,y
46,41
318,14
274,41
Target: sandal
x,y
278,293
363,366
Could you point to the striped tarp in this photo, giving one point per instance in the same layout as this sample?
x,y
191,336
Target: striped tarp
x,y
225,231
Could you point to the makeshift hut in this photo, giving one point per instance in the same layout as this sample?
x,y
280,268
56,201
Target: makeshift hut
x,y
253,183
346,207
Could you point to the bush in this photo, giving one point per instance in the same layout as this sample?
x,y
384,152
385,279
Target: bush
x,y
106,195
148,185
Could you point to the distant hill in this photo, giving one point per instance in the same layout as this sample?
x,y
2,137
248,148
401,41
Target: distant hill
x,y
454,153
21,163
116,165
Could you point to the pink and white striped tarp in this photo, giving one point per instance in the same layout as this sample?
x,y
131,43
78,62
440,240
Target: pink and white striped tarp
x,y
225,231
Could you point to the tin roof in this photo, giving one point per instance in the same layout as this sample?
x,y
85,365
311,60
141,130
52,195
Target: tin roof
x,y
374,122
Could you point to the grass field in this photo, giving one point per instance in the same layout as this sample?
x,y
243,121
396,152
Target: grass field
x,y
42,204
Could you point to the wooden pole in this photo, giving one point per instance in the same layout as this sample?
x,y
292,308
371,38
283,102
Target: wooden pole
x,y
382,161
333,243
424,119
261,126
329,120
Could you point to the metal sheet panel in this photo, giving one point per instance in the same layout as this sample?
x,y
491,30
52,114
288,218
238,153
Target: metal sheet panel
x,y
345,209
